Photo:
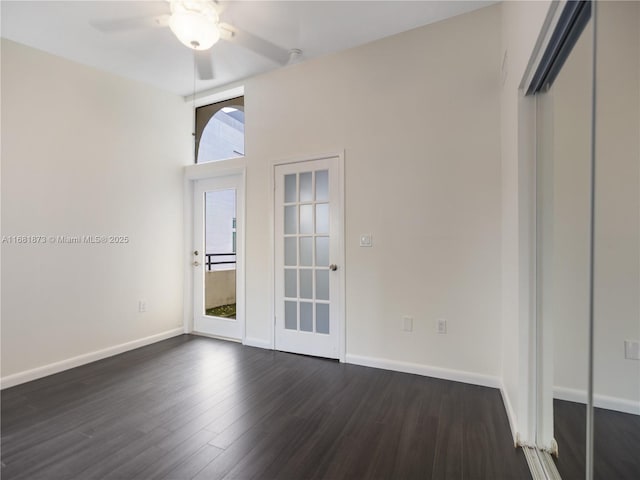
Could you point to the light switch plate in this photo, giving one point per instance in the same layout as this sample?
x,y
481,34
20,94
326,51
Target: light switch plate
x,y
365,240
632,350
407,324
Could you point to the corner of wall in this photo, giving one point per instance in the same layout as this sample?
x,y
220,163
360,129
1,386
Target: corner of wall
x,y
511,416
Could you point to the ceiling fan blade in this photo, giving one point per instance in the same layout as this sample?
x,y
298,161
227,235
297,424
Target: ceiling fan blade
x,y
204,64
253,42
129,24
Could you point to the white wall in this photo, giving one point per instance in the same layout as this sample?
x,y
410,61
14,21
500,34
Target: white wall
x,y
84,152
417,115
522,22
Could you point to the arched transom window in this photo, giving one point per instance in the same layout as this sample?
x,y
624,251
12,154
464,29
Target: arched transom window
x,y
220,131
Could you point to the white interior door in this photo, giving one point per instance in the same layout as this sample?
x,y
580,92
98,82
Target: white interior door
x,y
309,258
218,257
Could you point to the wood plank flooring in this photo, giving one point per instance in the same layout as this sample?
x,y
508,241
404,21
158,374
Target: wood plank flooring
x,y
616,442
197,408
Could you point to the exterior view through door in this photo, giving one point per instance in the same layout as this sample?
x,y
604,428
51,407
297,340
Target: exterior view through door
x,y
217,257
308,258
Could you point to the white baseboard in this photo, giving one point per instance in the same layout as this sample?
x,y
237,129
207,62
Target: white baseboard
x,y
425,370
511,416
600,401
57,367
217,337
257,342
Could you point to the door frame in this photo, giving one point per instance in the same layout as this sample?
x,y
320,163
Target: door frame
x,y
211,171
340,273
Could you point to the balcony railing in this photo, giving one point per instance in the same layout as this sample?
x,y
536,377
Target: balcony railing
x,y
212,259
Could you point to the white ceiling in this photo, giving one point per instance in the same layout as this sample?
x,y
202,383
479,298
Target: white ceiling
x,y
154,56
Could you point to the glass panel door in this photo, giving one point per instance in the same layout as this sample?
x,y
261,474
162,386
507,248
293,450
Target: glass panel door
x,y
308,230
217,257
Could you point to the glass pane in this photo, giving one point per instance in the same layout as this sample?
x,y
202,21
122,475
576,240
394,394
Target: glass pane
x,y
322,284
322,218
291,315
306,284
306,316
290,220
306,218
219,258
290,253
290,188
223,135
322,318
291,283
306,251
306,188
322,251
322,185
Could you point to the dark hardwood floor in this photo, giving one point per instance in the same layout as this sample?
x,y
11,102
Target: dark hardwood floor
x,y
197,408
616,442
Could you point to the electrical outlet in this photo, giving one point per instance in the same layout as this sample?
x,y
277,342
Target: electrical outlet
x,y
407,324
632,350
142,306
441,325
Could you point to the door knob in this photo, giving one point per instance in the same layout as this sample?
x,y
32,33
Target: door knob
x,y
333,267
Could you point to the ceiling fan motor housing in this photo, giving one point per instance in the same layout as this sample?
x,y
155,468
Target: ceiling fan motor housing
x,y
195,23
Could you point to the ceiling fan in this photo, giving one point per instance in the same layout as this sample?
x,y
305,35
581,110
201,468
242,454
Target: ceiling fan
x,y
196,24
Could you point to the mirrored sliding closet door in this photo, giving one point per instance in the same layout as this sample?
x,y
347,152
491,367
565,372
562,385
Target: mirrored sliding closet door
x,y
588,245
616,293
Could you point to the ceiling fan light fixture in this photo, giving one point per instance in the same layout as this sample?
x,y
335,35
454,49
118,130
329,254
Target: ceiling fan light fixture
x,y
195,28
